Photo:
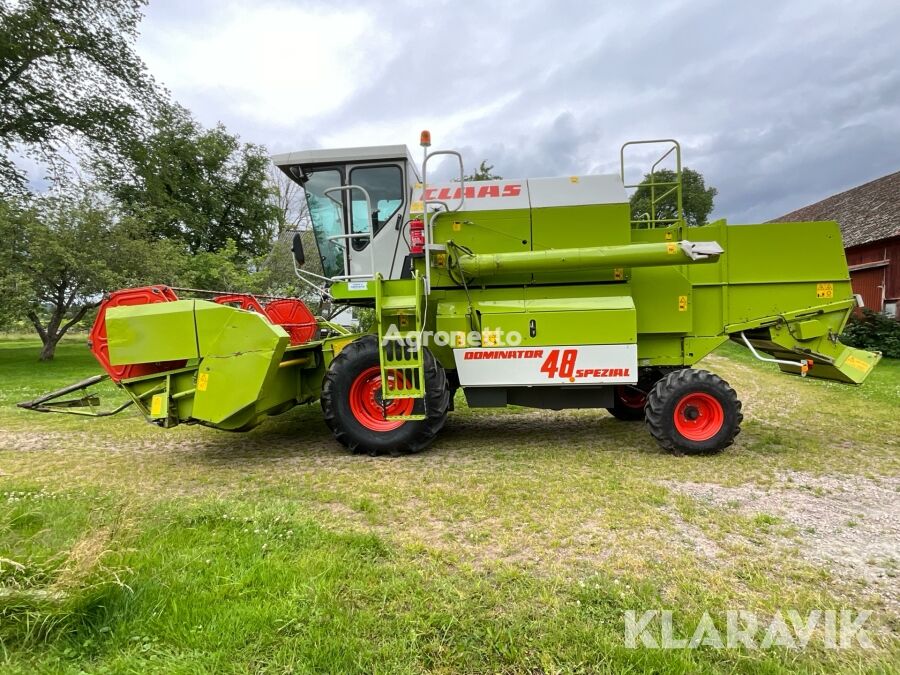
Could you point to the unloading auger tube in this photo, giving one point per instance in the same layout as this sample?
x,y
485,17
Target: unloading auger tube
x,y
483,266
546,293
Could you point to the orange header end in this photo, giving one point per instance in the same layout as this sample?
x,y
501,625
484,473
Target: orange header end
x,y
425,139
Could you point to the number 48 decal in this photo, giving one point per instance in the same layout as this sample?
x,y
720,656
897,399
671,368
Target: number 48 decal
x,y
562,367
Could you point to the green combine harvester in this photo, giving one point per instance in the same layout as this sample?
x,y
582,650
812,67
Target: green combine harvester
x,y
543,293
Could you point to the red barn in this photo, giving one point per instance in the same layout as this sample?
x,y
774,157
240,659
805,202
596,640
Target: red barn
x,y
869,216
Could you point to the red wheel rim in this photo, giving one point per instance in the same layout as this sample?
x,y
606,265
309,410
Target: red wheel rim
x,y
365,402
699,416
631,397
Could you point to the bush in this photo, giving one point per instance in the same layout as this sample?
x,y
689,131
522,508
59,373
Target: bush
x,y
874,331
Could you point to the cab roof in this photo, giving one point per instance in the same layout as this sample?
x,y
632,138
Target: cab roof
x,y
343,155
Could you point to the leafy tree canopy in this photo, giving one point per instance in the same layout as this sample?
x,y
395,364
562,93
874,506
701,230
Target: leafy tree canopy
x,y
69,249
69,72
200,186
696,198
485,171
15,283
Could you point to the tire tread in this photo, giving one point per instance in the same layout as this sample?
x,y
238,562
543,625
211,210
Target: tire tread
x,y
437,399
675,385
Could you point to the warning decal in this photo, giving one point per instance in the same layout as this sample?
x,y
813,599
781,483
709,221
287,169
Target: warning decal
x,y
824,290
858,364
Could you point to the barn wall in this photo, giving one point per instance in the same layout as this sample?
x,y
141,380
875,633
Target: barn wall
x,y
869,280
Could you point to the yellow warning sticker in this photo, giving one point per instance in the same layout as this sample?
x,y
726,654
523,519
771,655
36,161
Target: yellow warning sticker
x,y
459,339
618,274
202,381
671,248
489,338
824,290
574,179
668,236
416,207
858,364
156,405
338,346
440,259
682,303
457,226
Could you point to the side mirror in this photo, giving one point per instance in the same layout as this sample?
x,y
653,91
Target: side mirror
x,y
297,250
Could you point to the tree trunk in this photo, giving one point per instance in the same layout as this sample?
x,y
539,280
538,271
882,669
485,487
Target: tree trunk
x,y
55,329
49,349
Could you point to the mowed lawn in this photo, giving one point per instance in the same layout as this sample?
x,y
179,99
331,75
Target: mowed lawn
x,y
515,544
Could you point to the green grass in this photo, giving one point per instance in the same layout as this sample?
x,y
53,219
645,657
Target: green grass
x,y
515,544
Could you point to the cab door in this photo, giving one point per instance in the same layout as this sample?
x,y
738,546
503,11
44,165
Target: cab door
x,y
387,186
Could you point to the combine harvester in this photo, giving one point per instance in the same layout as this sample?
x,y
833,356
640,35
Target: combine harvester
x,y
541,292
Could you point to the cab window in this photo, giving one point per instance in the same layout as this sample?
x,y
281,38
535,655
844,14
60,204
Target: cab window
x,y
385,187
325,214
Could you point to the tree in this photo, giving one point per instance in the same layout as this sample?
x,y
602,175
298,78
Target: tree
x,y
274,274
222,270
696,198
289,200
201,186
70,250
484,172
365,319
68,71
14,283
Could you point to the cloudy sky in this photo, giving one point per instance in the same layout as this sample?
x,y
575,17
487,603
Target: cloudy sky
x,y
778,104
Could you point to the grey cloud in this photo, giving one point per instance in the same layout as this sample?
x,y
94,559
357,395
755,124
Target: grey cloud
x,y
777,103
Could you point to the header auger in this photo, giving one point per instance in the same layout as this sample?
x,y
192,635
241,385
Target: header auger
x,y
537,292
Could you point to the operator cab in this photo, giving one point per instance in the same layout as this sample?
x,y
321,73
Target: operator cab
x,y
387,175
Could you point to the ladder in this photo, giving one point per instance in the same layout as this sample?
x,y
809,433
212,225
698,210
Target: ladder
x,y
400,319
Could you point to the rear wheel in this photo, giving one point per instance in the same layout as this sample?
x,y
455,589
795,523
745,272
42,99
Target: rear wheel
x,y
694,412
628,403
629,399
357,415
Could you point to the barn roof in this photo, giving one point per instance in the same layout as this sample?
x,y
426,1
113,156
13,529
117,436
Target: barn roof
x,y
865,213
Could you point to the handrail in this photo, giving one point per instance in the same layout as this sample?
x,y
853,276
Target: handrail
x,y
462,178
353,235
301,276
653,221
657,162
429,218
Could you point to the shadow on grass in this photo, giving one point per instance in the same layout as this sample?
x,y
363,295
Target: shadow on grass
x,y
303,434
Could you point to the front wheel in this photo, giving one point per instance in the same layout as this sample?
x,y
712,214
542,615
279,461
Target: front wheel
x,y
357,415
694,412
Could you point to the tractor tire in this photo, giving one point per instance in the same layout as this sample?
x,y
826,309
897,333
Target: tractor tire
x,y
629,400
693,412
351,403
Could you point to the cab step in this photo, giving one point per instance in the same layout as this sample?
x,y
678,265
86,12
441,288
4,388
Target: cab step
x,y
405,418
